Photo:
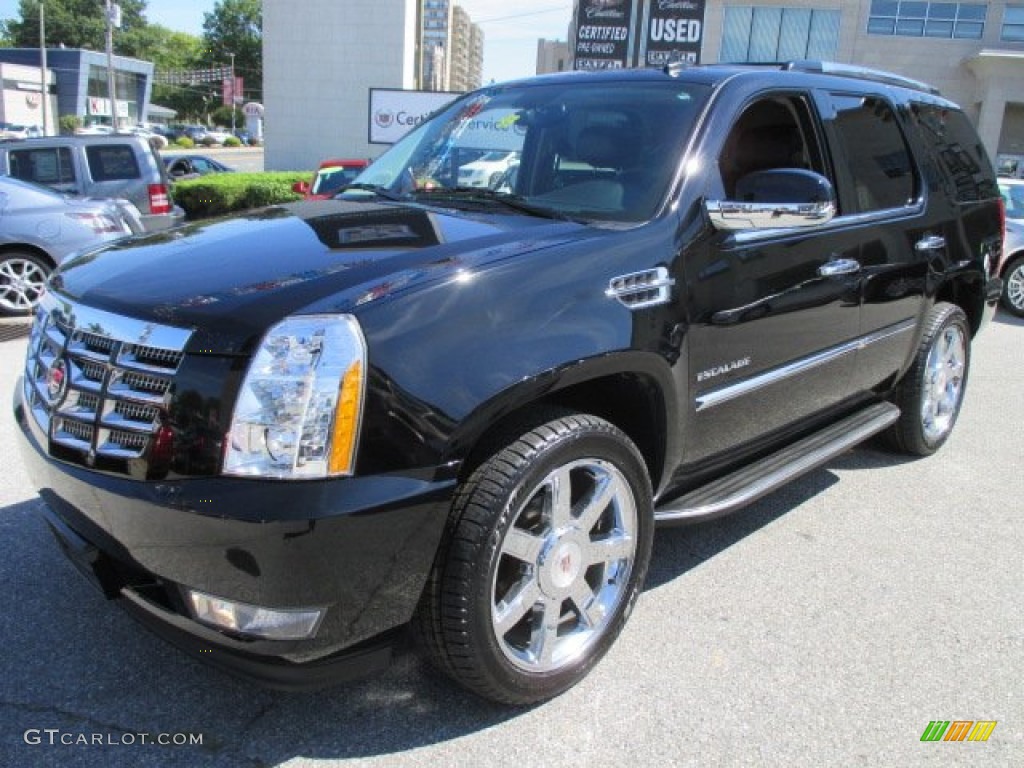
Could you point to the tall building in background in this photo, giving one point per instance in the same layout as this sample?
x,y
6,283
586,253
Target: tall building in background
x,y
467,53
451,48
553,56
435,44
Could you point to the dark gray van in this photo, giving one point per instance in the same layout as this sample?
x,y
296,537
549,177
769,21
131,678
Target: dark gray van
x,y
119,166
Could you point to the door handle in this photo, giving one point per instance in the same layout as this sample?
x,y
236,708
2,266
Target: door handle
x,y
930,243
839,267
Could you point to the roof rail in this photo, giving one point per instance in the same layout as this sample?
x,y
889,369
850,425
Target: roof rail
x,y
863,73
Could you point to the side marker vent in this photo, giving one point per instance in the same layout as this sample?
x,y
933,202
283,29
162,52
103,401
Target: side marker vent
x,y
640,290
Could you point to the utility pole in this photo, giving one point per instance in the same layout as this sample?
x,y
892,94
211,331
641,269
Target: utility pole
x,y
111,10
42,61
233,82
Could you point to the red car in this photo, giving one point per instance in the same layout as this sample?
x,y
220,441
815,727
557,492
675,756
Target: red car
x,y
330,177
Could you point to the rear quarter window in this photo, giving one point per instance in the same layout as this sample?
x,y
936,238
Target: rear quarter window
x,y
954,146
112,162
42,166
877,157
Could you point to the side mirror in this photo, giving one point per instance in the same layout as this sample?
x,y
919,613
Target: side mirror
x,y
301,187
775,199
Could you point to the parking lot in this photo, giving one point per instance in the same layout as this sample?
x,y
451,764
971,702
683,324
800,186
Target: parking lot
x,y
825,625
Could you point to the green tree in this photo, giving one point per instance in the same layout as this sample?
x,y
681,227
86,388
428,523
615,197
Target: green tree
x,y
169,51
72,23
236,26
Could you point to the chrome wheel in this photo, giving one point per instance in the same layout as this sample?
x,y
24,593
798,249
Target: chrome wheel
x,y
944,383
22,282
1013,293
564,565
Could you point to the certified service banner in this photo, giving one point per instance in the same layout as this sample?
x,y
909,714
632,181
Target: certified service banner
x,y
603,34
674,29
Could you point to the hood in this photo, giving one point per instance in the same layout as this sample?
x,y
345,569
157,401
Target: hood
x,y
230,279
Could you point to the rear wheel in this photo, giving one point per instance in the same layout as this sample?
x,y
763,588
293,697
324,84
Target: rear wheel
x,y
545,553
22,282
1013,287
932,391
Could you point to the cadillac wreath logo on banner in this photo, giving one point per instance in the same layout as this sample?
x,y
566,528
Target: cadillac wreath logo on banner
x,y
674,31
603,33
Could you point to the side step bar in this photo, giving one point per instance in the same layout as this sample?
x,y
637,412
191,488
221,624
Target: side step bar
x,y
750,483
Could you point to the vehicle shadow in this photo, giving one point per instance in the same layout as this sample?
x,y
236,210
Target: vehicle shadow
x,y
1004,317
76,662
9,331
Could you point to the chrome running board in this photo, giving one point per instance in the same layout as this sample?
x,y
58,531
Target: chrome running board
x,y
750,483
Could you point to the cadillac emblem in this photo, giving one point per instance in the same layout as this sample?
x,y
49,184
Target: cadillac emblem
x,y
56,381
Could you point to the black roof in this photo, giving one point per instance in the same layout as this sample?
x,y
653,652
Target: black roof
x,y
801,73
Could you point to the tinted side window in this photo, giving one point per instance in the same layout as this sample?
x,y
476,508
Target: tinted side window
x,y
773,132
876,154
111,162
955,146
42,166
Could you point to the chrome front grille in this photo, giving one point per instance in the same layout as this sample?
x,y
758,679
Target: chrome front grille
x,y
98,383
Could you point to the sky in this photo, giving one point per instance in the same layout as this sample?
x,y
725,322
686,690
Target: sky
x,y
511,30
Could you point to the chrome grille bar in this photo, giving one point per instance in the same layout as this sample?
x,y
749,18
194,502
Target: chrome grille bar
x,y
98,383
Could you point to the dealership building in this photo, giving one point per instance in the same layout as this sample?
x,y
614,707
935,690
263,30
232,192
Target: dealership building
x,y
972,51
77,85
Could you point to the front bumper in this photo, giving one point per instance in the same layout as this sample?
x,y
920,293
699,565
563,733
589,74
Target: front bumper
x,y
361,547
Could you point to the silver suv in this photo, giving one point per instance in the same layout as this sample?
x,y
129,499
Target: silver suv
x,y
119,166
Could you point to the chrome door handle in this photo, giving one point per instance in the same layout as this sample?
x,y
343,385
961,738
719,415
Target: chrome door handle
x,y
839,267
930,243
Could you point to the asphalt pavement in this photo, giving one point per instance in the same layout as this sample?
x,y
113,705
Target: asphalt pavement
x,y
826,625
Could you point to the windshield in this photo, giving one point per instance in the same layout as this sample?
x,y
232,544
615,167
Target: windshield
x,y
591,150
330,180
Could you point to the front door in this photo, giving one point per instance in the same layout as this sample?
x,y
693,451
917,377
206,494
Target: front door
x,y
774,313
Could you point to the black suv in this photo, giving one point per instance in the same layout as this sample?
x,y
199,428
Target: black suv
x,y
283,439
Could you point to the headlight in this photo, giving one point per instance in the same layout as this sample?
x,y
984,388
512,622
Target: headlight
x,y
300,405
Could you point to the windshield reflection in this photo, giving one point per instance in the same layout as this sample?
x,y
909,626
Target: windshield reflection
x,y
603,151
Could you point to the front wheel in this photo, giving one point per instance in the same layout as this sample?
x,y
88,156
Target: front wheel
x,y
22,282
545,553
1013,287
932,391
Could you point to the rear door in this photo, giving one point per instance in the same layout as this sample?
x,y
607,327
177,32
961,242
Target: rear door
x,y
901,230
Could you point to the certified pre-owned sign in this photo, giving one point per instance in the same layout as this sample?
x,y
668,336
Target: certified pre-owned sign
x,y
393,113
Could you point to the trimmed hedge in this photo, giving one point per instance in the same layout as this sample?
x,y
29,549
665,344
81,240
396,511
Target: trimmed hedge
x,y
218,193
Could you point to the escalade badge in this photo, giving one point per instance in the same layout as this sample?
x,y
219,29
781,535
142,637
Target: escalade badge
x,y
56,380
719,370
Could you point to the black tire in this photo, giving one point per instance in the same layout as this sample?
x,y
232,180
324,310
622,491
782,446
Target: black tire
x,y
931,393
1013,287
558,572
22,279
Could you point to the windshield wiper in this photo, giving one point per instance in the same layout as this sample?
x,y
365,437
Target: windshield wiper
x,y
487,196
377,189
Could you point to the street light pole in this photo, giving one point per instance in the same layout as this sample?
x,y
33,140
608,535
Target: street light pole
x,y
111,90
42,62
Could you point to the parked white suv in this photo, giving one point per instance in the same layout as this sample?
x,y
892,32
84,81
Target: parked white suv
x,y
488,170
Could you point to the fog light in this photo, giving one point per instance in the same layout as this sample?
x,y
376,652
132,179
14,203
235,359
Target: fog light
x,y
255,621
